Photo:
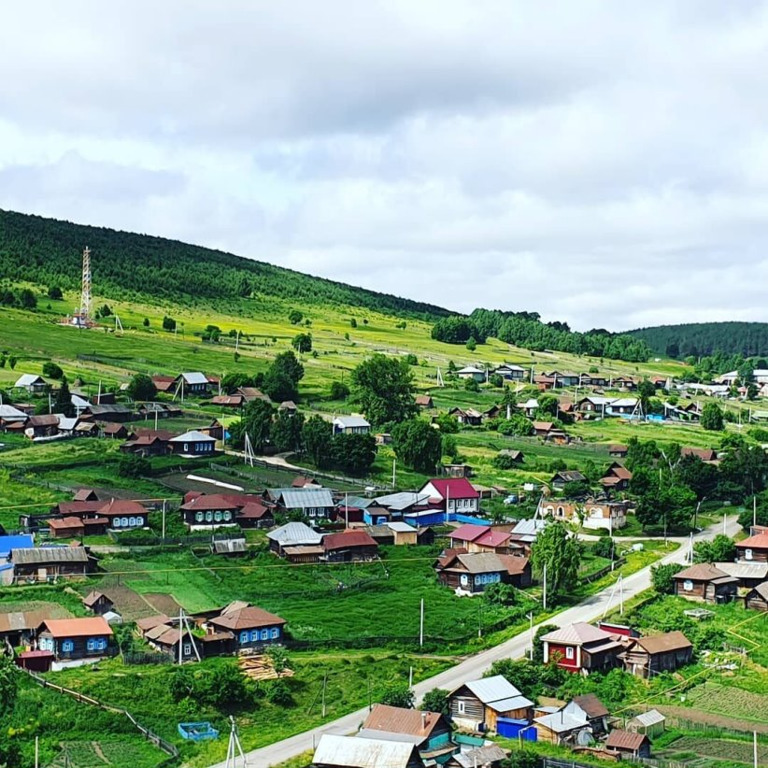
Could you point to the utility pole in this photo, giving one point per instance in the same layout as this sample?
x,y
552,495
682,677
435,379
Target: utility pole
x,y
394,473
544,595
421,623
325,682
530,618
163,519
754,511
234,747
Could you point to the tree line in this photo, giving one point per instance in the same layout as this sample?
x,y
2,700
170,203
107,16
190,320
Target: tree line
x,y
526,329
700,339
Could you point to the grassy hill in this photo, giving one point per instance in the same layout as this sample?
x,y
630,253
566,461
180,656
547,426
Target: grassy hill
x,y
748,339
48,252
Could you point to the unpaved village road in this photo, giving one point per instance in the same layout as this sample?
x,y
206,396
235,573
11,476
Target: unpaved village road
x,y
472,668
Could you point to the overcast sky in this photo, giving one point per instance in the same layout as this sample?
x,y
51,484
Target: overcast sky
x,y
600,163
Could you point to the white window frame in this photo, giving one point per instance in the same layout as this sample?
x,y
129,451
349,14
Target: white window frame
x,y
688,585
461,707
570,652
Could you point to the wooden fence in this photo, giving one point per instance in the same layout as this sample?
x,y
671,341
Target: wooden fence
x,y
151,736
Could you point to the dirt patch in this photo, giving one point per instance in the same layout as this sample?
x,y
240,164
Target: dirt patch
x,y
163,603
129,604
709,718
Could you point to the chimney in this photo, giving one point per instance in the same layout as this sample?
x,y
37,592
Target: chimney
x,y
423,721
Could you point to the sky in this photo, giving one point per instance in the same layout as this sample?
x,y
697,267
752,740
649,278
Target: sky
x,y
600,163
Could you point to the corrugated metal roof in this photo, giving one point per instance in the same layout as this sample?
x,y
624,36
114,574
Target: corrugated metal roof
x,y
18,541
292,534
561,722
651,717
89,626
743,570
669,641
618,739
577,633
510,704
28,379
9,413
193,436
400,527
490,754
349,422
195,377
49,555
402,500
301,498
354,752
496,688
401,721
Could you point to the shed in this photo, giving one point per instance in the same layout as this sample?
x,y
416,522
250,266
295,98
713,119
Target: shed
x,y
650,723
354,752
628,744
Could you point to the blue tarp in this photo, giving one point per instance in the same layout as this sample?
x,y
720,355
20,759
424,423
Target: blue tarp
x,y
20,541
516,729
459,518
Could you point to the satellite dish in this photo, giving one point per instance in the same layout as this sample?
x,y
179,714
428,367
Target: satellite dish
x,y
584,738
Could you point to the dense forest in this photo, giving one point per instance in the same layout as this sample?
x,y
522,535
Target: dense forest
x,y
698,339
525,329
124,265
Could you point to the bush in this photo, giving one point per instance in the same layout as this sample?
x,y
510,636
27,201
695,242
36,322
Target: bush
x,y
603,547
663,579
471,385
134,466
411,359
295,317
339,390
52,371
398,695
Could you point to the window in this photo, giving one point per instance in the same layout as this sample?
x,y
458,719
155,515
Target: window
x,y
187,649
560,512
132,522
186,448
464,580
101,644
199,517
569,653
67,646
91,644
265,634
254,635
125,522
747,554
462,707
117,522
688,585
227,515
209,517
478,579
275,633
217,516
243,638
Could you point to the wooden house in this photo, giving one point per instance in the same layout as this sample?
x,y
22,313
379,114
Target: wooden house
x,y
148,443
707,455
478,704
617,451
256,514
628,744
562,478
473,572
193,383
511,372
349,546
70,639
124,514
193,443
227,401
347,425
580,647
20,627
252,627
310,502
33,384
452,495
297,543
42,425
429,731
167,638
98,603
750,573
596,712
754,549
424,401
469,417
757,598
648,656
616,477
209,510
706,583
48,563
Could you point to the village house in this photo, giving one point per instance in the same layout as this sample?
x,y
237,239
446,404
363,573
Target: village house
x,y
394,506
256,514
34,385
471,573
749,573
42,425
478,704
757,598
159,410
469,417
98,603
543,383
349,546
429,731
564,379
511,372
297,543
424,401
167,638
252,627
113,413
50,563
525,532
706,583
488,756
616,477
593,404
580,647
562,478
194,383
622,406
227,401
623,382
628,744
529,407
192,443
617,451
251,393
124,514
453,496
302,481
10,415
396,533
348,425
593,380
309,502
20,627
516,457
651,655
355,752
147,443
471,372
754,549
484,538
608,515
209,510
707,455
70,639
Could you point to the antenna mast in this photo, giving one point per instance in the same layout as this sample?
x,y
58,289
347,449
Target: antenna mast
x,y
85,295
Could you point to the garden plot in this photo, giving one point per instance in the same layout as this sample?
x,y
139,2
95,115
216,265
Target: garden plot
x,y
730,701
728,751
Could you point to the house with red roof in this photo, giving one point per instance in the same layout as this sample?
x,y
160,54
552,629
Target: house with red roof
x,y
454,495
580,647
754,549
67,639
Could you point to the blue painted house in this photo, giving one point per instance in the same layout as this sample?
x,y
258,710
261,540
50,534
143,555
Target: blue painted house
x,y
252,627
70,639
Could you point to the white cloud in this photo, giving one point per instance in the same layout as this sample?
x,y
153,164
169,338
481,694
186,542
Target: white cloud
x,y
604,165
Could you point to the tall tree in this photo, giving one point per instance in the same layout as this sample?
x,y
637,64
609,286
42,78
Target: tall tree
x,y
417,444
287,430
317,437
281,381
256,422
559,550
63,402
353,453
384,388
141,387
712,418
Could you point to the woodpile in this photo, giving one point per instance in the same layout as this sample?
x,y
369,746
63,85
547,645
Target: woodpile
x,y
261,668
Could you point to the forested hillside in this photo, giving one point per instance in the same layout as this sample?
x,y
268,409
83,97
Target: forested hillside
x,y
48,252
747,339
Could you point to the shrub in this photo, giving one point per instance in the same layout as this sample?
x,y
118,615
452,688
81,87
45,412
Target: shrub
x,y
52,371
663,579
339,390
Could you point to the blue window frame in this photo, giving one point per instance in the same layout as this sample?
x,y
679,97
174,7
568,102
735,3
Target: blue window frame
x,y
67,646
265,634
243,638
254,635
92,644
275,633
